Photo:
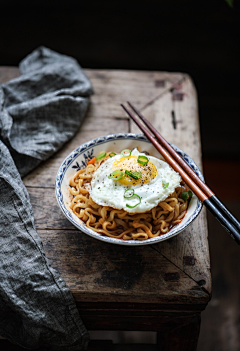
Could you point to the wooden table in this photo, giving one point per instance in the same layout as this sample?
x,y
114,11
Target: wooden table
x,y
162,287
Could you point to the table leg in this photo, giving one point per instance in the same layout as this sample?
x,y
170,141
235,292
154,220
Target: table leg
x,y
182,338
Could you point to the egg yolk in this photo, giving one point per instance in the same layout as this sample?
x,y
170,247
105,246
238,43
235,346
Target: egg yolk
x,y
131,164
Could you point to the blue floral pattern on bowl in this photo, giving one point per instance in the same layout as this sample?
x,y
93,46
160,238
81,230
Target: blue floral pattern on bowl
x,y
78,159
88,156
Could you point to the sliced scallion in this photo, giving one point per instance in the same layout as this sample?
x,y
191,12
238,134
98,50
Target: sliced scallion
x,y
112,154
143,160
135,175
116,175
129,193
126,152
129,206
186,195
101,155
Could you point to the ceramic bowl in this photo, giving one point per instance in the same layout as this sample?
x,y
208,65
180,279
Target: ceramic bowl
x,y
78,159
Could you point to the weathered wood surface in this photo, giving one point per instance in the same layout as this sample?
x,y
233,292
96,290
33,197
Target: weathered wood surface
x,y
173,272
175,115
96,271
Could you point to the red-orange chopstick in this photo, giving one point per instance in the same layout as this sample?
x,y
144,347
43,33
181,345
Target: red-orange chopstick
x,y
202,191
188,169
174,154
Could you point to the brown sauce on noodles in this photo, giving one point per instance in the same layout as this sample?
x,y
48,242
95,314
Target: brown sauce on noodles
x,y
120,224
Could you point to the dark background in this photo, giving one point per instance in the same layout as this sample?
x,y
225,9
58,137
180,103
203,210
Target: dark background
x,y
200,38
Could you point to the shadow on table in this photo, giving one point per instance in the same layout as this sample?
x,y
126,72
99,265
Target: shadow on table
x,y
220,328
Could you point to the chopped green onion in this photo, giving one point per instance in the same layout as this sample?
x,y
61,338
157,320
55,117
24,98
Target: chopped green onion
x,y
112,154
101,155
165,185
130,195
137,203
116,175
186,195
143,160
135,175
126,152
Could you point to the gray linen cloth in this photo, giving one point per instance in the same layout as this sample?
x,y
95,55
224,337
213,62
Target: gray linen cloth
x,y
39,112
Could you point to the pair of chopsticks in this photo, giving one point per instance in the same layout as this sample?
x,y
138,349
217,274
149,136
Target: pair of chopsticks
x,y
201,190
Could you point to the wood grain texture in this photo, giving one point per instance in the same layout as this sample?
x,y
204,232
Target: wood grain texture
x,y
113,87
96,271
176,118
173,273
140,323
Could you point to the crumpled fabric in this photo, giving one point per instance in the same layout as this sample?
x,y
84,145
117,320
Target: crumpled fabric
x,y
43,108
39,111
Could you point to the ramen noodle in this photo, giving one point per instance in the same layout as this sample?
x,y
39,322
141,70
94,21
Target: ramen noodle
x,y
119,223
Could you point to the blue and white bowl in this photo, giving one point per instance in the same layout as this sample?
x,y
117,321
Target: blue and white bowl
x,y
116,142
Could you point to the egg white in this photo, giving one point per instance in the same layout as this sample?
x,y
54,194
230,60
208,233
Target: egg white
x,y
107,192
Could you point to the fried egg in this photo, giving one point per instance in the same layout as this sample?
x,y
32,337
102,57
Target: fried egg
x,y
156,181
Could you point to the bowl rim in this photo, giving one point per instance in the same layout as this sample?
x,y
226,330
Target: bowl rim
x,y
81,149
